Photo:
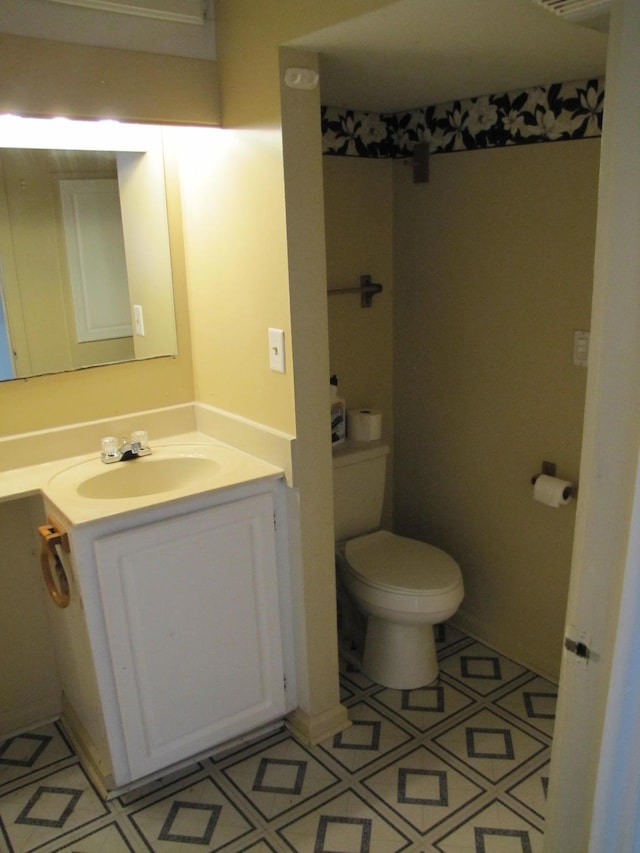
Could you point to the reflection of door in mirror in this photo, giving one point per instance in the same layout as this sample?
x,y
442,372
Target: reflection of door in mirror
x,y
37,279
95,254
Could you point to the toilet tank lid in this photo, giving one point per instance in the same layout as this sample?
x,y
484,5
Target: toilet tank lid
x,y
351,452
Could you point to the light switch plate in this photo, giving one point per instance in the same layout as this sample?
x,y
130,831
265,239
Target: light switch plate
x,y
276,350
138,319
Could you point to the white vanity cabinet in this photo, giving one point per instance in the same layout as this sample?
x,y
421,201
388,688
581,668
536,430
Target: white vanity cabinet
x,y
191,614
185,612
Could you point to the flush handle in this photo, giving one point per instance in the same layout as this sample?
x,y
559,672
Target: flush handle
x,y
53,572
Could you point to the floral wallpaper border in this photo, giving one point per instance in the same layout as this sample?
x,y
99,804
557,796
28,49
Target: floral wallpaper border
x,y
552,113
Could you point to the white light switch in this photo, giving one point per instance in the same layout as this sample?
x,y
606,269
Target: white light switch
x,y
138,319
276,350
580,349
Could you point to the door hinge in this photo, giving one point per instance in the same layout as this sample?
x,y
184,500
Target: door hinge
x,y
275,521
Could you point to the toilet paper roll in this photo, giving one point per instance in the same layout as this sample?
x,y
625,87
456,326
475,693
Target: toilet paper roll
x,y
364,424
552,491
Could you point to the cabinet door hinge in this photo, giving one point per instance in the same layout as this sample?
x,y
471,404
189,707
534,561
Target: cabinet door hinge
x,y
275,521
284,681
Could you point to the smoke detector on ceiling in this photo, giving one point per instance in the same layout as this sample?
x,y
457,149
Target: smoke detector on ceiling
x,y
589,13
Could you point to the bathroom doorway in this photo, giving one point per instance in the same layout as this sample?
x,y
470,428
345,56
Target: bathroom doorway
x,y
605,468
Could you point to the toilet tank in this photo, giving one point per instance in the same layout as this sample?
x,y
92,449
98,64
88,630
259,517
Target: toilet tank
x,y
358,487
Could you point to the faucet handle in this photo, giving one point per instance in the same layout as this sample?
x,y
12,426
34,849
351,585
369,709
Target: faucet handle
x,y
110,451
141,437
109,446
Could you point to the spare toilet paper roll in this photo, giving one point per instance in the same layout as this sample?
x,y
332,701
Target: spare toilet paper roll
x,y
364,424
552,491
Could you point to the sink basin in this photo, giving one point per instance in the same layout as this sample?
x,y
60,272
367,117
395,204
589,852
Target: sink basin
x,y
89,490
148,476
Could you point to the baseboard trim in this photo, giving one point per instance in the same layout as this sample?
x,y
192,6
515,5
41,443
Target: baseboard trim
x,y
517,653
311,730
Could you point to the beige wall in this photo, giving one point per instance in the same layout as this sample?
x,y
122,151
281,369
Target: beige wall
x,y
248,35
30,687
252,268
359,236
493,273
291,266
52,78
238,262
314,586
237,270
491,282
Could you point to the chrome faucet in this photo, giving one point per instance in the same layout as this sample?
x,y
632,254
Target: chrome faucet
x,y
126,449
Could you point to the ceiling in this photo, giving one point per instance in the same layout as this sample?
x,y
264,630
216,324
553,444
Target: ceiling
x,y
415,53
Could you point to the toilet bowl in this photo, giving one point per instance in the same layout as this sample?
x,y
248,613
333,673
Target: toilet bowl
x,y
403,587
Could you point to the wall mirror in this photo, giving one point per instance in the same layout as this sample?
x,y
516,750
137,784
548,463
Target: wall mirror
x,y
85,263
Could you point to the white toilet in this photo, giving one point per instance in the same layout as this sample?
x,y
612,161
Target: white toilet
x,y
402,586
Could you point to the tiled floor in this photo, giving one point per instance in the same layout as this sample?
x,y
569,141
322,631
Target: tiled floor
x,y
457,767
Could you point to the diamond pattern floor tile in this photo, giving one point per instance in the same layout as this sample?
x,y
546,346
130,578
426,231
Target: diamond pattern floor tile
x,y
370,736
481,669
162,784
109,839
201,815
422,788
260,847
31,751
347,824
460,765
532,790
490,745
33,814
427,706
280,778
494,829
533,702
351,675
447,635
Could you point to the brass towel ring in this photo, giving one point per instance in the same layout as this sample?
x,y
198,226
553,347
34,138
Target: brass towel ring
x,y
58,586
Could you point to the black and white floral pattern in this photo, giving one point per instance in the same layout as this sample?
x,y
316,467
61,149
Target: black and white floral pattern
x,y
552,113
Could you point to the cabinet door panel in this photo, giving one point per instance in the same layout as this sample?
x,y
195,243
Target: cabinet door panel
x,y
191,613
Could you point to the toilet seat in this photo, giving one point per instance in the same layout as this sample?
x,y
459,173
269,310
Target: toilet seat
x,y
403,566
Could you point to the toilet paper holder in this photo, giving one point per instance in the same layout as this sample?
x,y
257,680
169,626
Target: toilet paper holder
x,y
549,468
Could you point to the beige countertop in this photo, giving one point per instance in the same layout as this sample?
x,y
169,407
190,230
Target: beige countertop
x,y
62,480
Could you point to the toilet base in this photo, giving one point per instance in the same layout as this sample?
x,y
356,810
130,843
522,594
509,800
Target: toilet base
x,y
400,656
